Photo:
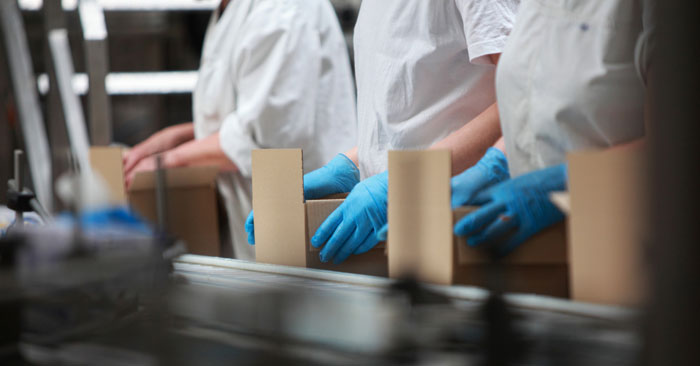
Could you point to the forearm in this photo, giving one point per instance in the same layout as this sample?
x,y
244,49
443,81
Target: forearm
x,y
179,134
631,145
469,143
500,145
202,152
352,155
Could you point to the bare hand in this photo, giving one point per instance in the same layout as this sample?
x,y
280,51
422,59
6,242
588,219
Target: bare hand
x,y
159,142
144,165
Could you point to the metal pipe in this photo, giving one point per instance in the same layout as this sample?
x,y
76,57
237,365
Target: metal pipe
x,y
161,195
92,20
71,106
19,216
31,119
18,170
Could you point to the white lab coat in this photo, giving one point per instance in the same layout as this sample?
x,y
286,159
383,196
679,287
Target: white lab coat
x,y
567,80
423,70
273,74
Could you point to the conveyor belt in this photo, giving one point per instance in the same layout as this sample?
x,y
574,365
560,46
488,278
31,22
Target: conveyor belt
x,y
232,274
309,305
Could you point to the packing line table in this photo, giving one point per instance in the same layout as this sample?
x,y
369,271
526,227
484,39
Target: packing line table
x,y
232,273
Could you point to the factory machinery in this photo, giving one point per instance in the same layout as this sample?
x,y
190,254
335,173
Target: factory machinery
x,y
128,304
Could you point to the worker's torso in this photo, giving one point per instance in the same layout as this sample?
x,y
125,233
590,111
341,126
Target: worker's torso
x,y
215,95
567,80
415,82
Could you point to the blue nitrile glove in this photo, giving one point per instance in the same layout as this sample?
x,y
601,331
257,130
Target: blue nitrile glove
x,y
352,227
340,175
514,210
490,170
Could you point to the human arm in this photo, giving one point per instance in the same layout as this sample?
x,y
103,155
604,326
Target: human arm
x,y
469,143
161,141
203,152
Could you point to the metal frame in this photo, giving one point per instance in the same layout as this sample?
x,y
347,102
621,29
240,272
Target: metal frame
x,y
70,103
94,29
27,99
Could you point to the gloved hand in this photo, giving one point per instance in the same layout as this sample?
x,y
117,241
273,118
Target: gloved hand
x,y
514,210
340,175
352,227
490,170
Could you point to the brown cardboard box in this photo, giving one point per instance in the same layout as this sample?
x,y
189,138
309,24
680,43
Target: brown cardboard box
x,y
421,241
284,223
107,162
607,225
192,209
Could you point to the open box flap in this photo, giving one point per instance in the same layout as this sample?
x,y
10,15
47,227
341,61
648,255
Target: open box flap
x,y
609,197
420,217
107,162
278,203
562,200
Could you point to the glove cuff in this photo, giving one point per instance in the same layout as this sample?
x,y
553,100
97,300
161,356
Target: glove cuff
x,y
496,165
347,172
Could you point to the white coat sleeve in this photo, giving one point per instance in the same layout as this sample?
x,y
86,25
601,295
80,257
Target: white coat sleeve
x,y
276,69
487,24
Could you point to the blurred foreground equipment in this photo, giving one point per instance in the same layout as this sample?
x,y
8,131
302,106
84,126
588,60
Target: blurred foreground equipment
x,y
86,301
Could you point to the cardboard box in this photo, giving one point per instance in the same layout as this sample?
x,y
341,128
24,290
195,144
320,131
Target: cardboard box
x,y
107,162
608,196
284,223
422,244
191,199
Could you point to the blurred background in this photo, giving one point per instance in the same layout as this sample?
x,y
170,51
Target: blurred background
x,y
143,37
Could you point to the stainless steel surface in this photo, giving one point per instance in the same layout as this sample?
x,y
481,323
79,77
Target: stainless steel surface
x,y
371,317
94,29
72,108
230,273
29,109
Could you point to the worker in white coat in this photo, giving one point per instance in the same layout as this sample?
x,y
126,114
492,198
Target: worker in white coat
x,y
570,78
273,74
425,79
